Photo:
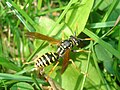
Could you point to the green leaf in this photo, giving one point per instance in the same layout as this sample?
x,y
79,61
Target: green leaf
x,y
70,76
77,17
104,56
22,86
63,14
106,45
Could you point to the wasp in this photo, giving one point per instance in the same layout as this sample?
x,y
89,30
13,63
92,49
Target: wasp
x,y
64,48
47,59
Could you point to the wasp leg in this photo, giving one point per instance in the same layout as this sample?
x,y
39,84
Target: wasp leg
x,y
53,68
49,80
53,85
42,71
81,50
31,62
74,65
77,67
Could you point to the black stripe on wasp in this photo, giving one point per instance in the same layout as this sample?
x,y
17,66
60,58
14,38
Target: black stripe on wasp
x,y
64,48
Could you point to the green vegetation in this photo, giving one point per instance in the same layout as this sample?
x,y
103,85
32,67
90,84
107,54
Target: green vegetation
x,y
96,69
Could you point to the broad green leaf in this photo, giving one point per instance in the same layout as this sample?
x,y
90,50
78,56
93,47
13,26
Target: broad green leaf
x,y
63,14
104,56
77,17
70,76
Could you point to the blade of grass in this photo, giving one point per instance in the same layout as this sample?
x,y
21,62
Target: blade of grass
x,y
30,2
36,82
87,67
6,63
39,4
19,16
63,14
35,51
102,43
115,24
97,5
102,24
113,5
119,42
17,41
1,51
4,76
50,11
119,34
22,14
4,85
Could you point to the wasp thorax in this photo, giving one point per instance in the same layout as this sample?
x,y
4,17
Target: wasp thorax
x,y
65,44
75,41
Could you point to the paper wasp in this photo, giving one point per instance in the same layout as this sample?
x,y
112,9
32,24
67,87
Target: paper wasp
x,y
46,59
64,48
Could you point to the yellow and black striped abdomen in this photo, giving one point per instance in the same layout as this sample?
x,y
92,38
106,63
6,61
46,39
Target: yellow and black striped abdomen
x,y
46,59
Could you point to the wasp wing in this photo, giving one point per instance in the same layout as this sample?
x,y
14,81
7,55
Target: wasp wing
x,y
66,58
36,35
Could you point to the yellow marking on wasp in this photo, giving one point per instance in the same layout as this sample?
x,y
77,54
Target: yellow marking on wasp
x,y
47,59
44,62
54,56
40,61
